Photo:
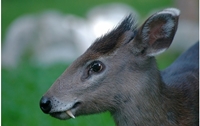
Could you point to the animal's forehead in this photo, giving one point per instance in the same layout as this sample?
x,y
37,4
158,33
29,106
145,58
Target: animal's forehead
x,y
112,40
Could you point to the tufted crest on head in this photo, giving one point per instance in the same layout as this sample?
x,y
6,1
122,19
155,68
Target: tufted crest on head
x,y
120,35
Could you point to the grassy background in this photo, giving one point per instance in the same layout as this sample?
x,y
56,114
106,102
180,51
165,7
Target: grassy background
x,y
23,86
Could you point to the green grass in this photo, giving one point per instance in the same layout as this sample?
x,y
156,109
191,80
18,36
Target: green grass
x,y
23,86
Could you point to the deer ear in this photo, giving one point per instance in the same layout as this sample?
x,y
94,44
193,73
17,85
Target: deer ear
x,y
158,31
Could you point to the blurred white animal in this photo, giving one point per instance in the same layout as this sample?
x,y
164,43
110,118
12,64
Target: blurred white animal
x,y
53,37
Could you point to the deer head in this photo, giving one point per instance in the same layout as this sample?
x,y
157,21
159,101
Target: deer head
x,y
117,69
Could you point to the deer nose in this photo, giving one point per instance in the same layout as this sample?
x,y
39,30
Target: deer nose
x,y
45,105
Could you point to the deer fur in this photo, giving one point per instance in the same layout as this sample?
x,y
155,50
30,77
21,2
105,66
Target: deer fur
x,y
118,73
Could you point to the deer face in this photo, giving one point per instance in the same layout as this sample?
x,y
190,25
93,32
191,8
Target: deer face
x,y
115,66
83,87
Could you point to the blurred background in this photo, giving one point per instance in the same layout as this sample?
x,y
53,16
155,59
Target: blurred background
x,y
40,38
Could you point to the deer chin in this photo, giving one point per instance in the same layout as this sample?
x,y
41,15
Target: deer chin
x,y
66,114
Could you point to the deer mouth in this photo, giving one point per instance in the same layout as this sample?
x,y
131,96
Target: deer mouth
x,y
68,113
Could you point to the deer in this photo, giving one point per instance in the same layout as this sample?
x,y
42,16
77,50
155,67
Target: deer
x,y
118,73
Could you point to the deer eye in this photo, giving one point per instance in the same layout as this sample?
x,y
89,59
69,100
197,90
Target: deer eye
x,y
95,67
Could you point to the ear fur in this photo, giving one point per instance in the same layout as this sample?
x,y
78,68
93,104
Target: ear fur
x,y
157,32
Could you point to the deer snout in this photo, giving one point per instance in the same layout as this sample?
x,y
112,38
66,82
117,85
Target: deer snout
x,y
45,105
59,109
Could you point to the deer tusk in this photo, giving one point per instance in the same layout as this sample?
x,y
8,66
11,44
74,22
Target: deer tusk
x,y
70,114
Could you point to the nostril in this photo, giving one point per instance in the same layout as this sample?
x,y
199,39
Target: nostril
x,y
45,105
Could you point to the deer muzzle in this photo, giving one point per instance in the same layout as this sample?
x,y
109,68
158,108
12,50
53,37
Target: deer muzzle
x,y
57,109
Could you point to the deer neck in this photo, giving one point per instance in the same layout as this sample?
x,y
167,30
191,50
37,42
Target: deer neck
x,y
149,108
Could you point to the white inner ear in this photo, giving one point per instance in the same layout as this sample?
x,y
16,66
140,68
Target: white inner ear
x,y
170,23
168,27
157,52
